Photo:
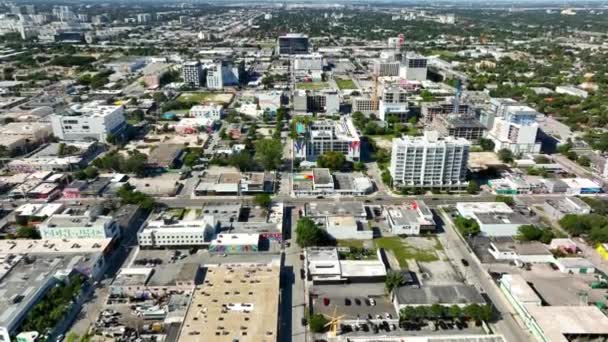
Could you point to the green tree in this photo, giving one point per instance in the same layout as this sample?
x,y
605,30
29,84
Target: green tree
x,y
111,139
359,166
393,280
508,200
386,177
308,233
317,323
269,152
191,158
467,226
333,160
486,144
529,232
28,232
243,161
455,312
505,155
473,187
263,200
584,161
408,313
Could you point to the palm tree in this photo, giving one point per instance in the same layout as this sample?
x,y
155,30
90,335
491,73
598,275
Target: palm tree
x,y
393,280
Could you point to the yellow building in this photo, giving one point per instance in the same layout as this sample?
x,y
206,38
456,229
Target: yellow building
x,y
602,249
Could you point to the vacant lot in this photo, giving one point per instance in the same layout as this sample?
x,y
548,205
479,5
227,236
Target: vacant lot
x,y
312,85
205,97
345,83
404,249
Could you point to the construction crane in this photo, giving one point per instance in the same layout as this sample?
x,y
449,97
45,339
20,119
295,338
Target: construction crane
x,y
334,320
457,97
375,73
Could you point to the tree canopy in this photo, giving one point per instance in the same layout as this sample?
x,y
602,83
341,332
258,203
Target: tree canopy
x,y
332,160
309,234
269,153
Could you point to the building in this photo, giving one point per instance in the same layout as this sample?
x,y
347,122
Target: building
x,y
347,228
18,135
575,265
215,78
308,63
516,130
165,156
447,295
411,219
560,207
292,44
226,243
89,122
307,101
248,313
323,266
211,112
429,162
30,268
505,248
322,210
572,91
581,186
494,218
87,226
327,135
321,182
157,281
552,323
364,105
414,68
227,181
466,127
192,73
383,68
171,233
430,111
144,18
599,165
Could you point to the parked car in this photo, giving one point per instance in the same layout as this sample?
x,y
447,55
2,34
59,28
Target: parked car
x,y
465,262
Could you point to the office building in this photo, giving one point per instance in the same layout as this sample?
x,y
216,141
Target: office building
x,y
516,130
364,105
292,44
192,73
215,80
144,18
87,226
170,233
310,62
384,68
414,68
308,101
211,112
90,121
327,135
429,162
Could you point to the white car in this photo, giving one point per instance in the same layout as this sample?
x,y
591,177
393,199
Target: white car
x,y
372,301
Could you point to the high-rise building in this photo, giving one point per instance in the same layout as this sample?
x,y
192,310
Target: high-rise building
x,y
327,135
516,130
143,18
292,44
386,68
215,79
310,62
429,162
192,72
414,68
316,101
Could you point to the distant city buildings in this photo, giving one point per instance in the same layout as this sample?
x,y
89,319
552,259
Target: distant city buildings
x,y
429,162
192,73
516,130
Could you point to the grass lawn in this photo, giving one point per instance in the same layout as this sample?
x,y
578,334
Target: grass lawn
x,y
350,243
178,213
403,251
312,85
204,96
345,83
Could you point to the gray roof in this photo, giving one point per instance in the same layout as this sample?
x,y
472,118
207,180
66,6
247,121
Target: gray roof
x,y
325,209
444,294
501,218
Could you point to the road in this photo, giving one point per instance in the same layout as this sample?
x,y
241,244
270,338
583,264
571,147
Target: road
x,y
293,297
576,169
475,274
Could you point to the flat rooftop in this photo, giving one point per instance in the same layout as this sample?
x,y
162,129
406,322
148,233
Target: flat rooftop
x,y
75,221
442,294
501,218
557,322
322,176
53,246
236,301
323,209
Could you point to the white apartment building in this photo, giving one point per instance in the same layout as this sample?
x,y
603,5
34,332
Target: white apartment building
x,y
388,109
91,121
364,105
192,73
88,226
516,130
215,79
143,18
384,68
211,112
309,62
429,161
163,233
414,68
328,135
